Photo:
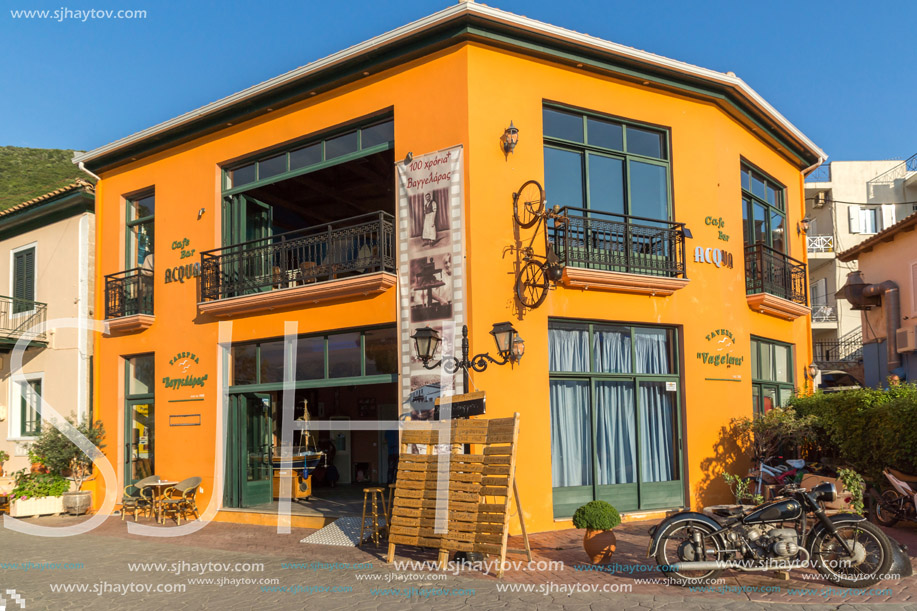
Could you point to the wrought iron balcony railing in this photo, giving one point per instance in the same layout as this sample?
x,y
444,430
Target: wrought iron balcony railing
x,y
770,271
349,247
820,243
20,317
129,293
848,348
620,243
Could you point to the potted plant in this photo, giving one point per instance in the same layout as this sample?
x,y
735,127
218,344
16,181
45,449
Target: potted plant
x,y
741,489
63,457
37,494
3,458
598,518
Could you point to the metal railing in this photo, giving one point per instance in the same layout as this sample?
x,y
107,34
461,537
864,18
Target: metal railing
x,y
848,348
820,174
358,245
897,172
129,293
18,318
824,311
770,271
820,243
621,243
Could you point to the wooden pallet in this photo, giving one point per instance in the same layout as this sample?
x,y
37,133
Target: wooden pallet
x,y
457,502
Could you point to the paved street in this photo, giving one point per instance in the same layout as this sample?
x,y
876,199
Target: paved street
x,y
108,560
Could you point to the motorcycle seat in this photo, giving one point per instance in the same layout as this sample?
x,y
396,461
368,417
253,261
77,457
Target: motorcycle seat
x,y
904,477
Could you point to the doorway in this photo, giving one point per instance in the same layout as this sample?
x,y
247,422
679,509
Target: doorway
x,y
249,450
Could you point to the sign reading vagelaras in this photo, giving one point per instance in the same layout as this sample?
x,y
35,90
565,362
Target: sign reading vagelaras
x,y
725,341
184,361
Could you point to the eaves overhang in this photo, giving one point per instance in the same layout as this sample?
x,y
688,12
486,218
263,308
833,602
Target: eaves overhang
x,y
464,22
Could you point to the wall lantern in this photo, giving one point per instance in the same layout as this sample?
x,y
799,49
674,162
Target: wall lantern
x,y
510,138
811,371
510,348
803,226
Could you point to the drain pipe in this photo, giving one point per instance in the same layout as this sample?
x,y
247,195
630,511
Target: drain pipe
x,y
891,301
82,167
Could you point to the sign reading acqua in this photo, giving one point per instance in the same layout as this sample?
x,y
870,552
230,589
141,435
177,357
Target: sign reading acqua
x,y
722,353
184,361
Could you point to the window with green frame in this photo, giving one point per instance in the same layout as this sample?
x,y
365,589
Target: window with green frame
x,y
140,417
615,417
371,354
771,374
310,155
763,209
139,242
30,398
608,165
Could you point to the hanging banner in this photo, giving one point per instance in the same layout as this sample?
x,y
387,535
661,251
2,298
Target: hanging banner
x,y
431,267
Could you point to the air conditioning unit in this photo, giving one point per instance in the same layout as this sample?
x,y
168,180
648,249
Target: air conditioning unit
x,y
820,199
907,339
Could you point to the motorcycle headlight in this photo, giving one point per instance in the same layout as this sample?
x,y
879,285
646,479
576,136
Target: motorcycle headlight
x,y
825,491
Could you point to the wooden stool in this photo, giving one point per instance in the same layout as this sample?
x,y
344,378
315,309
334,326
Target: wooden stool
x,y
375,496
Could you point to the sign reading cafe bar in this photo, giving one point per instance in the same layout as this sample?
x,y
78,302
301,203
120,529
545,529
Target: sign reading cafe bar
x,y
430,270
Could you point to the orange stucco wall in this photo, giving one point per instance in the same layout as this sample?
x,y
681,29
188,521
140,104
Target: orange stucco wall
x,y
461,96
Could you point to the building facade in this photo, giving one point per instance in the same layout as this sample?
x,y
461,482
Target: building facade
x,y
47,250
848,202
299,209
884,293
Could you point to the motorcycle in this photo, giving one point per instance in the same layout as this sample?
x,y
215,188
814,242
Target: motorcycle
x,y
694,548
898,502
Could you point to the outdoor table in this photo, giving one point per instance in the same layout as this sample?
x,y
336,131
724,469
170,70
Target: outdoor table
x,y
159,487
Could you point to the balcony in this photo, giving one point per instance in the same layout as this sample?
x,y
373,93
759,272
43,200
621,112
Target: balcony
x,y
350,258
775,283
616,252
129,300
824,314
817,244
18,319
836,354
820,174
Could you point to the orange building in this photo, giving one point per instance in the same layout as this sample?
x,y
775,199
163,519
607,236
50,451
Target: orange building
x,y
676,300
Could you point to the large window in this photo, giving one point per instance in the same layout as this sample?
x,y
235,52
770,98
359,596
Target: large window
x,y
370,354
23,279
140,418
615,432
771,374
763,210
140,211
605,165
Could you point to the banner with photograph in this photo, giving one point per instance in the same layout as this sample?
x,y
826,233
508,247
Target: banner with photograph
x,y
431,267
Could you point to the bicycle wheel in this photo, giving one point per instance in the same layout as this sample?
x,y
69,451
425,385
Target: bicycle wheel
x,y
532,284
528,203
890,506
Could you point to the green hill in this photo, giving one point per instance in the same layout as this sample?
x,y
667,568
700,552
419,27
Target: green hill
x,y
26,173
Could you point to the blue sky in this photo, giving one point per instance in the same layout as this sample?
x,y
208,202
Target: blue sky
x,y
841,71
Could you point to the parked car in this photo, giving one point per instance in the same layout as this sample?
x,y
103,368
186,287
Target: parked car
x,y
836,381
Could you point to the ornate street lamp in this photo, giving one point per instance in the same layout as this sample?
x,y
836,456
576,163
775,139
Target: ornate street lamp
x,y
510,138
510,348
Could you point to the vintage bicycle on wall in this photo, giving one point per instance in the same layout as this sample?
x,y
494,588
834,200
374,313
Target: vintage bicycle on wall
x,y
537,270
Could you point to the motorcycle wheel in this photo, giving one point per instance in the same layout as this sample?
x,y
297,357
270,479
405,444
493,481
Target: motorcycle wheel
x,y
671,544
890,505
872,554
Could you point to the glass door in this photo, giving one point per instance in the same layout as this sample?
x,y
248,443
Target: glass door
x,y
257,443
140,423
660,455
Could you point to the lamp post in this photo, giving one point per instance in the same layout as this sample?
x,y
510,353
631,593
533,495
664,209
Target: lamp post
x,y
510,348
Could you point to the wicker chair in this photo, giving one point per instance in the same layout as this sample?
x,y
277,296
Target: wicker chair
x,y
179,500
138,497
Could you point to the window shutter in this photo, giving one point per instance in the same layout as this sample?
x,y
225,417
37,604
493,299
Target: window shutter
x,y
853,216
914,287
29,266
886,217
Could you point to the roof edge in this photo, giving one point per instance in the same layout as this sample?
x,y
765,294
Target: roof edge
x,y
886,235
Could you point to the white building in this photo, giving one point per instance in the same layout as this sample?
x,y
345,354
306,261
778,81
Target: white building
x,y
847,202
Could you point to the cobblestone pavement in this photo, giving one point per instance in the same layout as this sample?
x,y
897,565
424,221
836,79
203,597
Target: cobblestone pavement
x,y
264,570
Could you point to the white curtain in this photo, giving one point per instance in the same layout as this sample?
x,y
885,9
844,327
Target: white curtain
x,y
612,349
571,434
651,350
568,349
616,436
657,418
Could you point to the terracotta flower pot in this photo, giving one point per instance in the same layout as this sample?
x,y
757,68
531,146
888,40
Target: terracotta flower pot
x,y
600,545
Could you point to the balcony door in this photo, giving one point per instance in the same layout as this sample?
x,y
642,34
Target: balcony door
x,y
247,219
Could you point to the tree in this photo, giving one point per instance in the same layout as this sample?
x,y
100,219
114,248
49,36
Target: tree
x,y
63,457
